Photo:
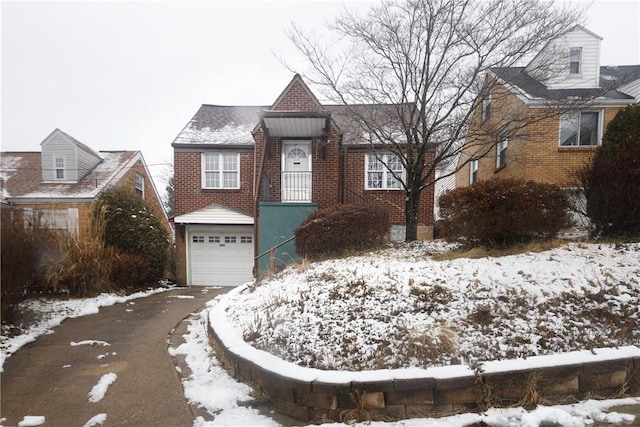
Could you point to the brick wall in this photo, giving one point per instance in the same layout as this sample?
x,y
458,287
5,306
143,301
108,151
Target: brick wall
x,y
150,196
189,194
534,153
297,98
431,397
354,192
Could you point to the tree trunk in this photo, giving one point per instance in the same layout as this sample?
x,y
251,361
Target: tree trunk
x,y
411,211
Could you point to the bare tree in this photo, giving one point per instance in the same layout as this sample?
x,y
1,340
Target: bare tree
x,y
426,60
169,198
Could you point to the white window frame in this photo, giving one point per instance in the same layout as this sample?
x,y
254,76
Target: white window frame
x,y
486,106
501,152
57,219
222,171
59,168
579,61
138,183
576,117
473,170
387,176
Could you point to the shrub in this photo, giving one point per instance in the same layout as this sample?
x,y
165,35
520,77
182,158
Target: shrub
x,y
501,212
85,265
341,228
611,181
133,229
22,254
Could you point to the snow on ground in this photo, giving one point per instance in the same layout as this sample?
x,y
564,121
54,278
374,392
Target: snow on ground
x,y
94,343
31,420
599,268
210,387
48,313
400,308
99,390
96,420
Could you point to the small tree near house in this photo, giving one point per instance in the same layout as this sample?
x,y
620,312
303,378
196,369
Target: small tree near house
x,y
426,61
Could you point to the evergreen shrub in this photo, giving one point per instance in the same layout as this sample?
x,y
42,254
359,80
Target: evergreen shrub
x,y
501,212
611,181
137,235
339,229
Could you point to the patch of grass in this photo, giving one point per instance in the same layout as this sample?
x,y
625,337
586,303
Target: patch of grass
x,y
426,345
484,252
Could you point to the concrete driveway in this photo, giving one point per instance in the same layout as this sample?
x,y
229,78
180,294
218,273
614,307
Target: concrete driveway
x,y
52,378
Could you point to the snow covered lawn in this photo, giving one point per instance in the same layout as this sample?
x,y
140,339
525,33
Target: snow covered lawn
x,y
401,308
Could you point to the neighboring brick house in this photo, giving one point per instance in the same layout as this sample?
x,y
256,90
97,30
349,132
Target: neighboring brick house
x,y
246,176
58,185
567,114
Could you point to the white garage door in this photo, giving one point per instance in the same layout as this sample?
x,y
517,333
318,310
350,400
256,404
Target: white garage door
x,y
220,255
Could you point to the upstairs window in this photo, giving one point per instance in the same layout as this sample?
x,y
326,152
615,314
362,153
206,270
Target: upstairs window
x,y
501,152
139,184
580,129
575,60
486,106
381,177
221,170
58,162
473,171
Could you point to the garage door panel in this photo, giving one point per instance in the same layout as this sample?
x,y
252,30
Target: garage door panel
x,y
221,255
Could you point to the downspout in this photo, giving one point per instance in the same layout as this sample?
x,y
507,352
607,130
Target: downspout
x,y
256,197
341,179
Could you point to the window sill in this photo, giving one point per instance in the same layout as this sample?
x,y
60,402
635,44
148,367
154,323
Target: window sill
x,y
499,168
221,190
578,148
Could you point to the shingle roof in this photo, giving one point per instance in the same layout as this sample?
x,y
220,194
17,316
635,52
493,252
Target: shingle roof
x,y
225,125
21,176
218,124
610,77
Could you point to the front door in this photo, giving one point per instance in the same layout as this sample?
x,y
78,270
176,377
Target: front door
x,y
296,171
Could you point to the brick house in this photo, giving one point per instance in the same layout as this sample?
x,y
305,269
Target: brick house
x,y
58,185
566,114
246,176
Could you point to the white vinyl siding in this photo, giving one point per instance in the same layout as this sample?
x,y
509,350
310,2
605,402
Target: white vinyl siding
x,y
59,148
77,160
381,177
221,170
578,72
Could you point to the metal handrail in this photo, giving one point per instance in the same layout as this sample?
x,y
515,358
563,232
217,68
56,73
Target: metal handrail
x,y
272,254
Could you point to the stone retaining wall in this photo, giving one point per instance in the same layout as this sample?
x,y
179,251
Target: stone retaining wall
x,y
430,397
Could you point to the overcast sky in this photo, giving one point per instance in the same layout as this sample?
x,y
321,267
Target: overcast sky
x,y
120,75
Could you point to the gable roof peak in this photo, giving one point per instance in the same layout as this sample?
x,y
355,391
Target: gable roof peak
x,y
296,81
580,27
72,140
